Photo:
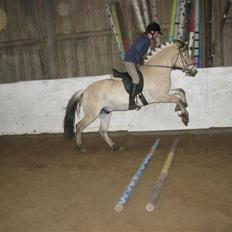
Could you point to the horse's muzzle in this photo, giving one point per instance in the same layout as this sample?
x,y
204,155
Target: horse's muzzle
x,y
191,72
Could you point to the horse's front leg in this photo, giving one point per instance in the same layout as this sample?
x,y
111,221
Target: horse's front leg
x,y
174,99
184,114
180,93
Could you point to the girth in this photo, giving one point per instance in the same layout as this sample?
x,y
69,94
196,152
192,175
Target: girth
x,y
127,82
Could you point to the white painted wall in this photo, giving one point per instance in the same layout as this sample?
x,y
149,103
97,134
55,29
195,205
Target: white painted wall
x,y
33,107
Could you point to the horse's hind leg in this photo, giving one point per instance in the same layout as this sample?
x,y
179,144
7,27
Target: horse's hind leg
x,y
80,126
104,124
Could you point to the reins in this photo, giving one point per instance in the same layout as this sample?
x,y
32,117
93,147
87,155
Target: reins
x,y
163,66
174,67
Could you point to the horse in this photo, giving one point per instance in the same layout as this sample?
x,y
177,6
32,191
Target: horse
x,y
103,97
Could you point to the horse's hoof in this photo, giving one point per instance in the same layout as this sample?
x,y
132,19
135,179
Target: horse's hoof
x,y
185,121
117,148
121,148
177,108
81,149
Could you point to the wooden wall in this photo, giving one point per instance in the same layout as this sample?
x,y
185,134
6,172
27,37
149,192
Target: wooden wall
x,y
47,39
221,37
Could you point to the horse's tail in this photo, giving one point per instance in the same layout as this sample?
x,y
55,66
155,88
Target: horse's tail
x,y
74,105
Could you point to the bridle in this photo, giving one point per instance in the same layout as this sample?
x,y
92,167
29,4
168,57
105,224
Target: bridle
x,y
185,68
174,66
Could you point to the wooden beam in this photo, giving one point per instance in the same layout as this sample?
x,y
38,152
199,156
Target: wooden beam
x,y
33,41
82,35
17,43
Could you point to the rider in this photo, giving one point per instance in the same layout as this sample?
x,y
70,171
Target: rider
x,y
135,55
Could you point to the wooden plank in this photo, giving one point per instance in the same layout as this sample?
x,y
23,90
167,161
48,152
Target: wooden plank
x,y
227,44
82,35
94,15
50,40
2,67
69,59
16,64
61,59
11,67
4,31
63,21
79,57
36,32
77,20
35,64
16,43
28,42
217,41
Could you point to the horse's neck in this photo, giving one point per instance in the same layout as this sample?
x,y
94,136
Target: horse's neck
x,y
164,58
159,75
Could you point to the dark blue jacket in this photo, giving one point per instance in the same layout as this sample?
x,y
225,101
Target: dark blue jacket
x,y
138,49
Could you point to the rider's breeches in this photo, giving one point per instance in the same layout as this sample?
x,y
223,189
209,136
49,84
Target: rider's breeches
x,y
131,69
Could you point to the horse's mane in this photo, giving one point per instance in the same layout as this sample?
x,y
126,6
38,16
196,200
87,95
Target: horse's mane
x,y
156,51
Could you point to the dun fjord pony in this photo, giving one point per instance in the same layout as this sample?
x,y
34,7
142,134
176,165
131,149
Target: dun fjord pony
x,y
103,97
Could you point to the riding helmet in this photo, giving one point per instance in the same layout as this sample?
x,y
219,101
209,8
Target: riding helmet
x,y
153,27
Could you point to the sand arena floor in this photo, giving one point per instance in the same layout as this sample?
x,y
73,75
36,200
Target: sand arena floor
x,y
46,185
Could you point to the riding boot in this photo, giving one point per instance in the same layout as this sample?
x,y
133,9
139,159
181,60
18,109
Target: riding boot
x,y
132,104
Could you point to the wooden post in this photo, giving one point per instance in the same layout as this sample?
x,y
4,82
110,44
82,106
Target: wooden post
x,y
50,39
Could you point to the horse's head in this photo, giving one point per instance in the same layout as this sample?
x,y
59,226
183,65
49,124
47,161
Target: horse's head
x,y
183,61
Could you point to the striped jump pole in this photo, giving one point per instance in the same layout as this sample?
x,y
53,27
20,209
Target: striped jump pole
x,y
172,24
134,181
135,4
145,12
177,20
116,35
180,34
150,206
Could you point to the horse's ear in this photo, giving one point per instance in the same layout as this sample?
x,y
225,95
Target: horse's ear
x,y
180,44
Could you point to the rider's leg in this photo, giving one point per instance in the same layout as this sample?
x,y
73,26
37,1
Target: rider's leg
x,y
131,69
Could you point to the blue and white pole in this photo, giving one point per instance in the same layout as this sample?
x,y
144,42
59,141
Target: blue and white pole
x,y
134,181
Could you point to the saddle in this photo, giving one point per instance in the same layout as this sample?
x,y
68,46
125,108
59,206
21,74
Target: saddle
x,y
127,82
